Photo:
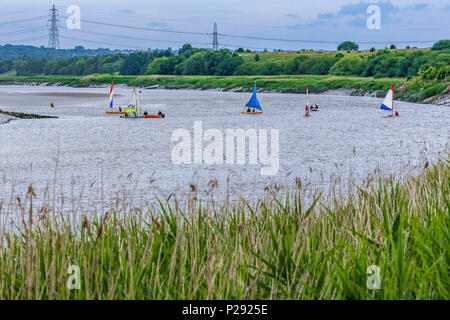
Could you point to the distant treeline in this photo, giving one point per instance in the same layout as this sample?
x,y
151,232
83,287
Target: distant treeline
x,y
16,52
429,64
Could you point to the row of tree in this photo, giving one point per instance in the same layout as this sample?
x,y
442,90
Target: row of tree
x,y
15,52
193,61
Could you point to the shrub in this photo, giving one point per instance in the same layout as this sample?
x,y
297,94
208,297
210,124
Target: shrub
x,y
348,45
349,65
441,45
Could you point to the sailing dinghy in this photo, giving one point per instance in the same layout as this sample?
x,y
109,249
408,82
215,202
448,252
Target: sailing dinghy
x,y
254,104
111,102
388,103
134,110
307,108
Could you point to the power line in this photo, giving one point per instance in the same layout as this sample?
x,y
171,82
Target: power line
x,y
152,40
23,31
138,38
319,41
53,34
105,43
23,20
141,28
28,39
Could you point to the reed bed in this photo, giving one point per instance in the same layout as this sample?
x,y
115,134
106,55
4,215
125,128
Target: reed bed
x,y
274,249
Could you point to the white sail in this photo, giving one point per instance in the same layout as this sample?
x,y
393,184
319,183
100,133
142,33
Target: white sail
x,y
388,103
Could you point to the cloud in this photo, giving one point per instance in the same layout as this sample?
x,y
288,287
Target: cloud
x,y
126,11
159,25
420,6
325,16
355,15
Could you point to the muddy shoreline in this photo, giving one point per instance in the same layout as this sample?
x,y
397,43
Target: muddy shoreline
x,y
441,100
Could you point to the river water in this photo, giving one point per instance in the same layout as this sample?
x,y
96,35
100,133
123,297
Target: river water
x,y
88,155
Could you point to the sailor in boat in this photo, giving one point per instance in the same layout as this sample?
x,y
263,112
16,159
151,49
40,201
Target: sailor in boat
x,y
145,113
397,114
307,111
120,109
161,114
249,110
253,110
126,114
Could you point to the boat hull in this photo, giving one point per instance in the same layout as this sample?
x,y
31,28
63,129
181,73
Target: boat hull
x,y
115,112
253,113
142,117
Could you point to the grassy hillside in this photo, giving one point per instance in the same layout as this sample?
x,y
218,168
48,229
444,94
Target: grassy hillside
x,y
407,90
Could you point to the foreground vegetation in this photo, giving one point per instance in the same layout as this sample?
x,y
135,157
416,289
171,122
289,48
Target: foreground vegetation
x,y
277,249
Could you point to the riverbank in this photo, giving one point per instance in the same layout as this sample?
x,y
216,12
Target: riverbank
x,y
278,249
407,90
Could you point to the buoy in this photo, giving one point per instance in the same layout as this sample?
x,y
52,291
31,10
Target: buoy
x,y
52,104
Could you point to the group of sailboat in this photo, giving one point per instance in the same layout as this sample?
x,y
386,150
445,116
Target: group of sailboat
x,y
254,106
133,110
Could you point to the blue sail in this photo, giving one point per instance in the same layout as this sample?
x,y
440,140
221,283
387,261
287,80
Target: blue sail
x,y
254,102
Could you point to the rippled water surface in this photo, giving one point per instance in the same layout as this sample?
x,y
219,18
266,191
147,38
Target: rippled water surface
x,y
91,154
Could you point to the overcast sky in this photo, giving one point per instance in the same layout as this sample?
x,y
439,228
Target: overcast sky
x,y
322,24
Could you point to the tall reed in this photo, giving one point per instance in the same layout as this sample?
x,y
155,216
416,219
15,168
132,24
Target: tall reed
x,y
276,249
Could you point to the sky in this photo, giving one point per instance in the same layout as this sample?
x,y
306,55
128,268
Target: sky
x,y
254,24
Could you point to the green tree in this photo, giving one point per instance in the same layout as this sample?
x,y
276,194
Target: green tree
x,y
393,47
30,66
349,65
164,65
257,57
229,65
441,45
195,65
5,66
186,51
348,45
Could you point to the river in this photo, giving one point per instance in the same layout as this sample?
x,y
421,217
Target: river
x,y
86,154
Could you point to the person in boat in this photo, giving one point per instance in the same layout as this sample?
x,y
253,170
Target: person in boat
x,y
120,109
249,110
397,114
126,114
254,110
145,113
134,113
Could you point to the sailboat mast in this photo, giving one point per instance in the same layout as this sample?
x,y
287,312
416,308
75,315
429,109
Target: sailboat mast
x,y
307,95
393,100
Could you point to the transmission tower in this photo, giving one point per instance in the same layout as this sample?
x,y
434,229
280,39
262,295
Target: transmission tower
x,y
53,32
215,38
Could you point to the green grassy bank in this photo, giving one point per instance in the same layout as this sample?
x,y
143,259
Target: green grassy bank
x,y
412,90
278,249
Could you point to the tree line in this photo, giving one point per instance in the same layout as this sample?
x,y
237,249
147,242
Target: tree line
x,y
429,64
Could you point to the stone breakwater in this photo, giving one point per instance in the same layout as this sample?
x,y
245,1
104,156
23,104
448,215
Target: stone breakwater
x,y
8,116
